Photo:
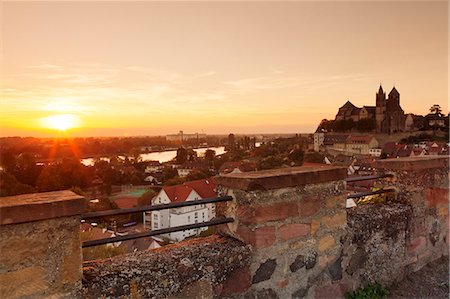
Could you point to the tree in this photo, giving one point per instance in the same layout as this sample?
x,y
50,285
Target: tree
x,y
436,108
9,186
146,198
198,175
366,125
209,155
270,162
169,173
314,157
135,153
296,156
182,155
49,180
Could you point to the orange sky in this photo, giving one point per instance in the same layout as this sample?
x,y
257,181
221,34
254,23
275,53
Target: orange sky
x,y
146,68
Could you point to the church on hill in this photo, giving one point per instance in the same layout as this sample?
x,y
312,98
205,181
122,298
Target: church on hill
x,y
387,112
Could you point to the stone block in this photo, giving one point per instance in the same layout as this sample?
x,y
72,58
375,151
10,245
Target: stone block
x,y
201,289
282,283
236,283
336,290
442,211
27,282
335,221
413,163
281,178
293,230
357,261
417,245
265,271
309,206
315,225
252,214
335,201
310,260
326,243
298,263
300,293
40,206
17,250
436,197
335,270
259,237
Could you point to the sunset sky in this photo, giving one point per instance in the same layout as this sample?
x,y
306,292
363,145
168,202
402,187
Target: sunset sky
x,y
147,68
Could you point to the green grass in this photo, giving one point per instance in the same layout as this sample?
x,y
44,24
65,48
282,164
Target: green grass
x,y
372,291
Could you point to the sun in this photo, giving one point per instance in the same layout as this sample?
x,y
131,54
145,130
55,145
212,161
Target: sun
x,y
61,122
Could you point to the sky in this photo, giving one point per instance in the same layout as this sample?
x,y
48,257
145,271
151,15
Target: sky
x,y
149,68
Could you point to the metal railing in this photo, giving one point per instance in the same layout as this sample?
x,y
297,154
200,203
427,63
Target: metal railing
x,y
368,178
156,208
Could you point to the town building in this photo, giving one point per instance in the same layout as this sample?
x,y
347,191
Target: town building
x,y
237,167
189,166
361,144
181,136
188,191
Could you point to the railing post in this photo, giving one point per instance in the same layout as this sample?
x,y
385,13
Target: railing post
x,y
40,248
294,218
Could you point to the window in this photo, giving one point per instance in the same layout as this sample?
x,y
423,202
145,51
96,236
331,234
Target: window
x,y
155,216
189,218
203,214
155,225
196,215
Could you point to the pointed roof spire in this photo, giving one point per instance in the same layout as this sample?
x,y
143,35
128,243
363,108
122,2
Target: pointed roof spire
x,y
380,90
394,91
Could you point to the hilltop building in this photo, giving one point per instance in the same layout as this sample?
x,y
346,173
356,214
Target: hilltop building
x,y
387,112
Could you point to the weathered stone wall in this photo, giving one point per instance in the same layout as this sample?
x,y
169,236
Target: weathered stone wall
x,y
295,220
292,238
200,268
40,259
387,241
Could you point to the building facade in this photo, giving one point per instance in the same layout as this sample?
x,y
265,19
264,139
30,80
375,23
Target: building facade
x,y
387,112
188,191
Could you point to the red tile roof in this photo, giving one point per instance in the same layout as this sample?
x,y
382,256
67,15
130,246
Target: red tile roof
x,y
205,188
359,139
126,202
177,193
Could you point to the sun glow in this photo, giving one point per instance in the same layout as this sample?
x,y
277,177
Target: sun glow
x,y
61,122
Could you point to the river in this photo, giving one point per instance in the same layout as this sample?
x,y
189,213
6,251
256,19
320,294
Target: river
x,y
162,157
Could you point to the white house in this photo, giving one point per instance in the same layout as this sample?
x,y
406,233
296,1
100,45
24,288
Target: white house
x,y
188,191
153,166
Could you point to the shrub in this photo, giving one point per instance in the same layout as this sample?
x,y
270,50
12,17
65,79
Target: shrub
x,y
372,291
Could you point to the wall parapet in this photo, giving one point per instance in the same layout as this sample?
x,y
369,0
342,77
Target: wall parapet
x,y
281,178
198,268
40,245
40,206
292,236
294,219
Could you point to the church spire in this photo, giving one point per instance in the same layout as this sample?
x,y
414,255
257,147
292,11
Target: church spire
x,y
380,90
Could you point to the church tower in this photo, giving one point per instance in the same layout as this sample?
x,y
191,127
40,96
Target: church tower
x,y
380,109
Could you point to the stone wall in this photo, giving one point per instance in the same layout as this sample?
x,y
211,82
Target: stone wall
x,y
199,268
295,220
292,238
40,252
385,242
